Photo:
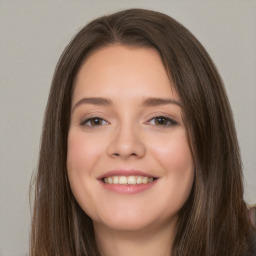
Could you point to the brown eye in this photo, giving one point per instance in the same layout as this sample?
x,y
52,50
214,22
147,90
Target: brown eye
x,y
95,121
162,121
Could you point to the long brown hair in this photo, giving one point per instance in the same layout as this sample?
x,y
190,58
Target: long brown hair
x,y
214,219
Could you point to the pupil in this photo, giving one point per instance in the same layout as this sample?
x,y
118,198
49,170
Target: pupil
x,y
96,121
161,120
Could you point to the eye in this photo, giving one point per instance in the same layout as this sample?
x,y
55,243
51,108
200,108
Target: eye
x,y
94,121
162,121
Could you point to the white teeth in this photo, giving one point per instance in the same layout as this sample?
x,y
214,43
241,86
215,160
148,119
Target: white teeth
x,y
115,180
145,180
131,180
139,180
122,180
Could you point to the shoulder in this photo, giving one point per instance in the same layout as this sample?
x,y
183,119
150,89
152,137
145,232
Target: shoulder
x,y
252,243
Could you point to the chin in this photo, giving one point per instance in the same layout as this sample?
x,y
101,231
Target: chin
x,y
124,226
129,221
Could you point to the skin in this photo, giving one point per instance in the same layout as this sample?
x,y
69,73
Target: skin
x,y
129,136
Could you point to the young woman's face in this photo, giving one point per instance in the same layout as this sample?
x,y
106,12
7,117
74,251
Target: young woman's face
x,y
126,127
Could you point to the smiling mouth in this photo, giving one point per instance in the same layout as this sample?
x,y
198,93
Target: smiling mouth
x,y
128,180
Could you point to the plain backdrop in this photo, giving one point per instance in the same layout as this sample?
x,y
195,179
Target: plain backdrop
x,y
32,36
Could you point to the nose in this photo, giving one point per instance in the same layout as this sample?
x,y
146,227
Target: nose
x,y
126,143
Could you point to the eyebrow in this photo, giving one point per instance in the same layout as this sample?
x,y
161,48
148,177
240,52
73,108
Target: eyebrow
x,y
151,102
93,101
148,102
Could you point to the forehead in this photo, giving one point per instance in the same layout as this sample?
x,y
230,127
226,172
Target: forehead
x,y
123,70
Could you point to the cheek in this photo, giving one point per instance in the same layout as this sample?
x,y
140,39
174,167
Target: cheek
x,y
175,158
83,152
173,152
82,157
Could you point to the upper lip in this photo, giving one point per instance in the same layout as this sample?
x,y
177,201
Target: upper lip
x,y
126,172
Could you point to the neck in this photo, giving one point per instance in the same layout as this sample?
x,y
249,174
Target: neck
x,y
146,242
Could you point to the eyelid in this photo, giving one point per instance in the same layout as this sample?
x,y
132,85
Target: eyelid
x,y
171,120
90,118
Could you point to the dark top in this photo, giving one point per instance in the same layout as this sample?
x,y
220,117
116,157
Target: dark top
x,y
252,244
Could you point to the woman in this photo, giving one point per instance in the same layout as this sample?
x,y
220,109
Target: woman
x,y
139,154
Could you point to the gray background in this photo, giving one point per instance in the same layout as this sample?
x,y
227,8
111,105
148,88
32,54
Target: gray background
x,y
32,36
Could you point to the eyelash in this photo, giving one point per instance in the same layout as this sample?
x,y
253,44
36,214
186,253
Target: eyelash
x,y
91,119
168,121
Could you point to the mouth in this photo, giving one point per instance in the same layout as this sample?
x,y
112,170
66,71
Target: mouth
x,y
128,180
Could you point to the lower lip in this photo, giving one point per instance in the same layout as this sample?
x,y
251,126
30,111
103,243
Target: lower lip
x,y
128,189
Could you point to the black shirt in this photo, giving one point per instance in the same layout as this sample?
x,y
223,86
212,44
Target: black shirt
x,y
252,243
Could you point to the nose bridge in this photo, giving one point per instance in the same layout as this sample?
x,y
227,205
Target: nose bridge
x,y
126,140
